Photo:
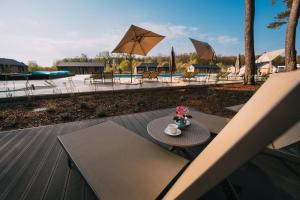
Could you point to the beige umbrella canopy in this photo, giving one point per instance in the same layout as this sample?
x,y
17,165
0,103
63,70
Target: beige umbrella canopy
x,y
203,49
237,64
138,41
269,56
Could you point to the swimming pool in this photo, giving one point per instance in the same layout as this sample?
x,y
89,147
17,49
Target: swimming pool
x,y
160,75
50,73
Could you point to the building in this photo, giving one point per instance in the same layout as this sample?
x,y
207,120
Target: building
x,y
81,67
163,68
12,66
205,68
266,68
140,68
190,68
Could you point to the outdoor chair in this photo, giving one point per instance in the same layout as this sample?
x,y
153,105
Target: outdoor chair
x,y
146,75
188,76
108,76
154,75
120,165
94,78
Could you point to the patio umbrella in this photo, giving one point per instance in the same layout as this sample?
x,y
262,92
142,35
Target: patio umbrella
x,y
237,64
173,62
137,41
269,56
204,51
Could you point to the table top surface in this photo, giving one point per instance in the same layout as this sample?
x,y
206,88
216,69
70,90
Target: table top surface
x,y
193,135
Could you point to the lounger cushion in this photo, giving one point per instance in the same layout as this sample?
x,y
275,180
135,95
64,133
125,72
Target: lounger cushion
x,y
119,164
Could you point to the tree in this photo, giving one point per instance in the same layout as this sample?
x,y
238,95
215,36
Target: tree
x,y
289,16
125,65
33,66
83,58
290,37
249,42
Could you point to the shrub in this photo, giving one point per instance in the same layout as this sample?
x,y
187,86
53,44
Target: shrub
x,y
83,105
51,109
10,122
100,112
65,116
29,103
136,108
140,103
212,94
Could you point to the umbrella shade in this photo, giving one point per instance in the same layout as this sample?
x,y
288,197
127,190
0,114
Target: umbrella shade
x,y
269,56
237,64
203,49
138,41
173,62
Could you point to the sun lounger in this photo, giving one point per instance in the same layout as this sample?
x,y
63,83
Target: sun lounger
x,y
118,164
121,165
188,76
262,119
96,77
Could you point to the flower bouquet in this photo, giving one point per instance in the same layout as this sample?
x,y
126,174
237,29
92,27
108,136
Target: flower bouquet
x,y
181,118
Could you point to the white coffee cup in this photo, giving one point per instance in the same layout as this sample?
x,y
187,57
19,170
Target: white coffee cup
x,y
172,128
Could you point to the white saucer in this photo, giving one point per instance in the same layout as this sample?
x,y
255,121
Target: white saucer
x,y
178,132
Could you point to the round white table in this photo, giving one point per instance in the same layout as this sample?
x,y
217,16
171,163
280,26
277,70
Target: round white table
x,y
193,135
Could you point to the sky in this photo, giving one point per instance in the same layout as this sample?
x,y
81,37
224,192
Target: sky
x,y
47,30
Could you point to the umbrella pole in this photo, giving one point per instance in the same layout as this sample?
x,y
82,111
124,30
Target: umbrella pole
x,y
130,63
171,72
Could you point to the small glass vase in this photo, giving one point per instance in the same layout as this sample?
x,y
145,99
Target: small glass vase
x,y
181,123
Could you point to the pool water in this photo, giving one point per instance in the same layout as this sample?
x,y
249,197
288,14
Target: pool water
x,y
50,72
160,75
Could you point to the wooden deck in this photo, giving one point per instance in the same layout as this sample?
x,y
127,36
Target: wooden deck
x,y
33,165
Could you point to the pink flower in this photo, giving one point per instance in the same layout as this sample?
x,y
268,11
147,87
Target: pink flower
x,y
181,111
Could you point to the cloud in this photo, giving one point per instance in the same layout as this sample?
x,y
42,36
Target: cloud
x,y
32,40
225,39
169,30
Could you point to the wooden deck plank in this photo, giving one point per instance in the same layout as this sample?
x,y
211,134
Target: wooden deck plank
x,y
24,183
56,186
9,157
118,120
59,178
8,142
7,134
39,185
76,186
131,124
24,164
34,166
19,153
